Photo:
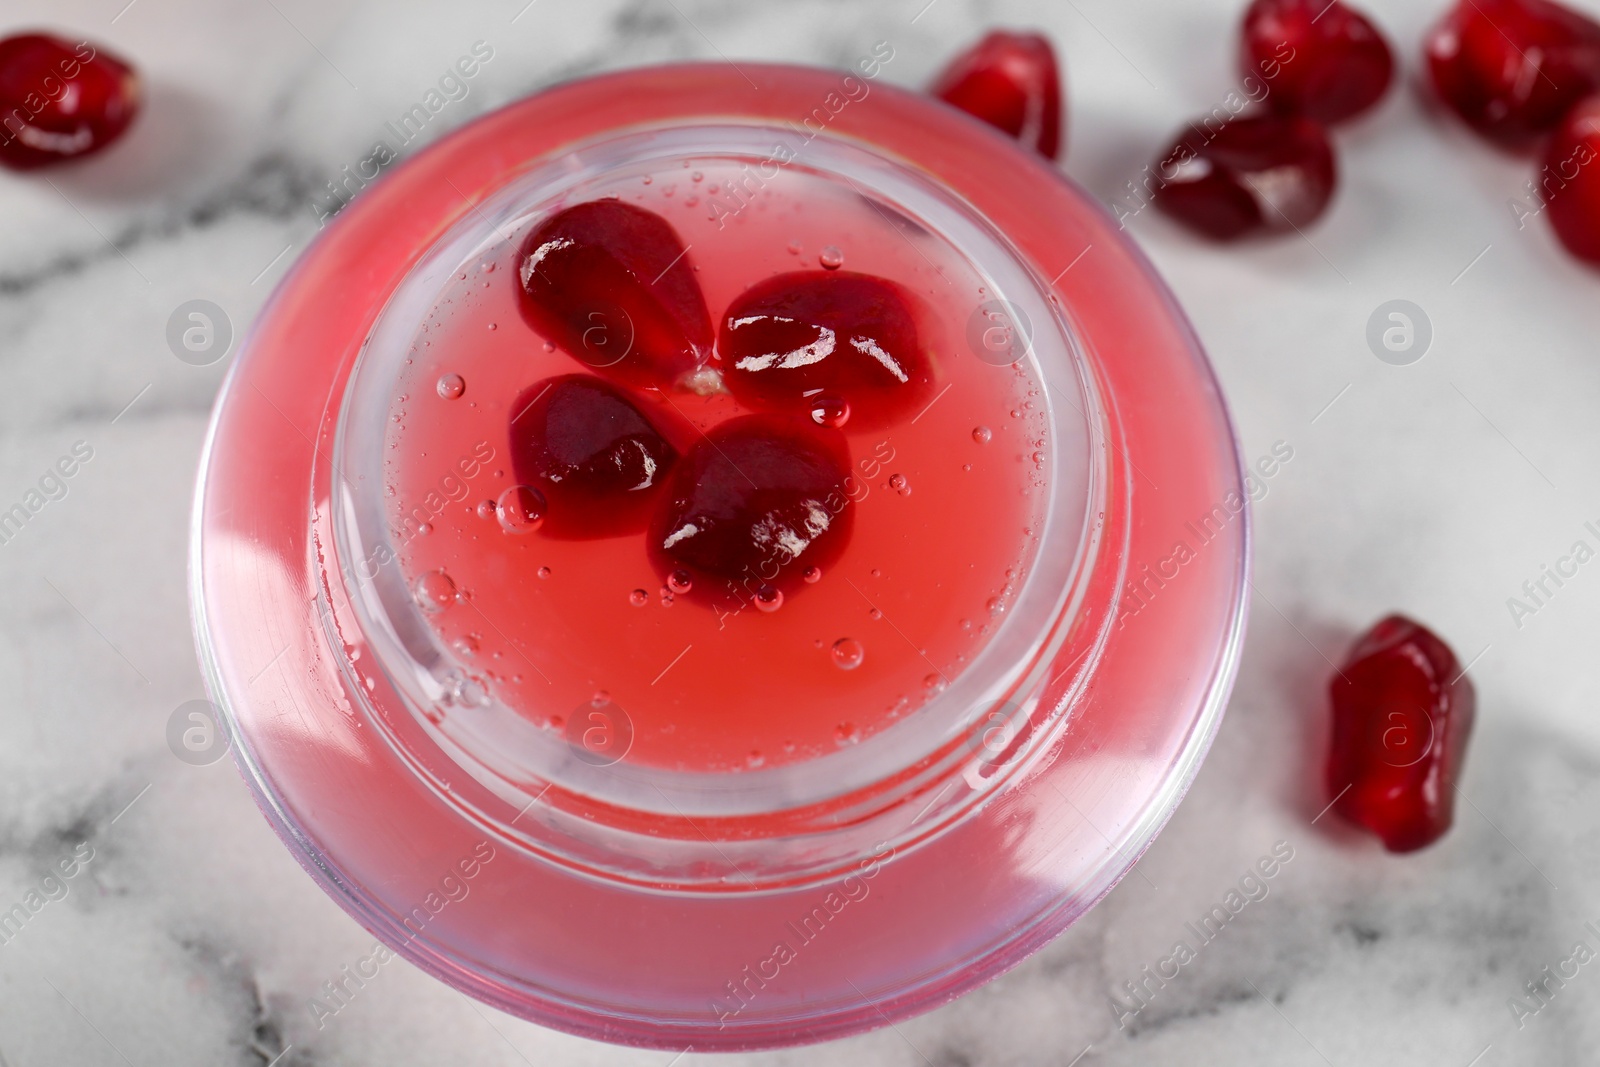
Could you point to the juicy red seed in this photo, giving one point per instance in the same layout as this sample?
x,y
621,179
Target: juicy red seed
x,y
597,458
1009,80
793,338
60,100
1402,712
1266,172
611,284
1570,181
755,503
1314,58
1512,68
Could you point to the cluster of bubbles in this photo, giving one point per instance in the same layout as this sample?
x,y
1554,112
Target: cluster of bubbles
x,y
521,509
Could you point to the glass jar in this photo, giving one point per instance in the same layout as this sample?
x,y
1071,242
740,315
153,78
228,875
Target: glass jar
x,y
674,905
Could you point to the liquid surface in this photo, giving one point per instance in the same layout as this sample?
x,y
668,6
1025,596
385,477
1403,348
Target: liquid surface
x,y
946,501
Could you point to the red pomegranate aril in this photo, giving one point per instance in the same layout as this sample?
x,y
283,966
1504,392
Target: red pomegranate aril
x,y
1011,81
1316,58
753,505
61,100
612,284
1402,713
833,336
1570,181
1512,68
1256,173
597,459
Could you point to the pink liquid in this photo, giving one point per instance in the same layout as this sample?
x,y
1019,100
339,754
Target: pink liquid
x,y
946,500
378,808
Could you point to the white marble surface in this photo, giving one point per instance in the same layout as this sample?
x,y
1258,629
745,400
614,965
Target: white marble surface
x,y
192,937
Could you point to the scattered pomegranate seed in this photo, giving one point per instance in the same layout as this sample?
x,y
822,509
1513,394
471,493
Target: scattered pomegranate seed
x,y
1402,711
1316,58
612,284
757,501
1264,172
1571,180
1009,80
61,100
1512,68
795,338
596,458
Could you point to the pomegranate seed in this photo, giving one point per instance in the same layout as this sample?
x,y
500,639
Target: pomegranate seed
x,y
596,458
1402,711
1264,172
612,284
756,502
1512,68
795,339
1009,80
1571,182
1317,58
61,100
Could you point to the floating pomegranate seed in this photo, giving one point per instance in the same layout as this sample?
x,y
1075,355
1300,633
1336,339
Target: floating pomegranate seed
x,y
1570,181
612,284
596,458
756,502
1009,80
1512,68
1402,711
1316,58
60,100
794,338
1264,172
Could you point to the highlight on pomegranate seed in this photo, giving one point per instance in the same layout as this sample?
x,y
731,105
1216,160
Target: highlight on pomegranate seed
x,y
612,285
1511,69
1324,60
756,502
1012,82
1569,184
834,337
61,100
1402,714
1255,174
591,454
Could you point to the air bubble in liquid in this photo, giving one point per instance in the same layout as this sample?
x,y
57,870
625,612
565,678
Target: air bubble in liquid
x,y
830,410
435,591
848,653
521,509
